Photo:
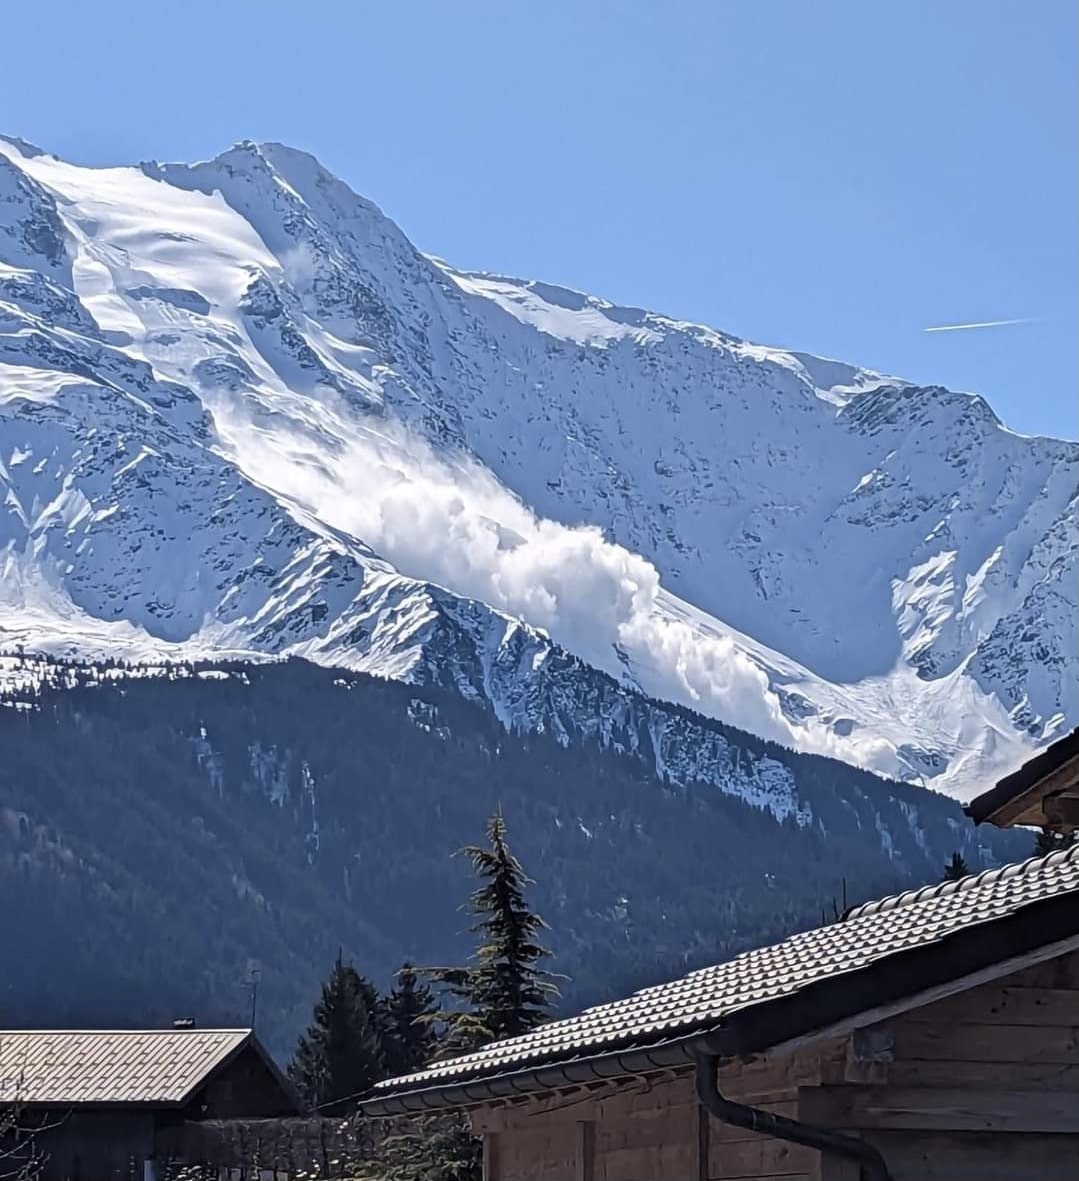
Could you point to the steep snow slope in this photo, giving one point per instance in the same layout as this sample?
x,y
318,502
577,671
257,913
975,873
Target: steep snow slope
x,y
241,413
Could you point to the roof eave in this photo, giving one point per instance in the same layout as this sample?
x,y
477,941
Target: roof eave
x,y
101,1104
1019,798
818,1010
1045,925
631,1060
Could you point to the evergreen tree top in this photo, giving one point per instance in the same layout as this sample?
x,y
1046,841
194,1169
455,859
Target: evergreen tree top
x,y
342,1052
956,868
1048,841
510,928
411,1012
504,991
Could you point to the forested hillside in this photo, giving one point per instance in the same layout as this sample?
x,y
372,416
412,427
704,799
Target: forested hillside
x,y
159,833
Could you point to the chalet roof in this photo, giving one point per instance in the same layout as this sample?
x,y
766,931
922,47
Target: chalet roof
x,y
879,955
119,1066
1034,793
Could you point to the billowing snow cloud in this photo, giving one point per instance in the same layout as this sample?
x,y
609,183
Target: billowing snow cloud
x,y
445,519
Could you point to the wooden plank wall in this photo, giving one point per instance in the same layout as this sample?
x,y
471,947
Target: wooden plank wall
x,y
983,1085
645,1128
654,1129
774,1085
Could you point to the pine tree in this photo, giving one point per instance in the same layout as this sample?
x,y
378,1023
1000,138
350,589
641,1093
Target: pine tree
x,y
430,1148
411,1010
955,869
341,1054
502,993
505,992
838,912
1048,841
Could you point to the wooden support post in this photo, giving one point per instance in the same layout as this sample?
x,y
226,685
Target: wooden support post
x,y
704,1139
490,1156
586,1150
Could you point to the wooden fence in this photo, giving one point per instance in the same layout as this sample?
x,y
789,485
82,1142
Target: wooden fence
x,y
312,1148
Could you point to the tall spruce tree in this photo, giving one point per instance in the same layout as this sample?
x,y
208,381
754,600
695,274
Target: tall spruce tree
x,y
956,868
342,1052
501,993
1048,841
504,991
411,1011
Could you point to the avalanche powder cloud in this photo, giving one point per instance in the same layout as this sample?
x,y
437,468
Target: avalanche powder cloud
x,y
445,519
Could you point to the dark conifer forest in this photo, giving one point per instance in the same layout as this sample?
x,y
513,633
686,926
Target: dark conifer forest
x,y
160,836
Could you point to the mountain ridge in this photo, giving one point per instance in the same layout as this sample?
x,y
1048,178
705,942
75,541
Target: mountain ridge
x,y
343,426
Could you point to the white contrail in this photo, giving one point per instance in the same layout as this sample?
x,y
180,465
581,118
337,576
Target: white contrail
x,y
983,324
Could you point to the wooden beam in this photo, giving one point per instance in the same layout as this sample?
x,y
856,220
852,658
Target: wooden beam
x,y
927,996
978,1156
490,1156
586,1150
568,1105
1021,808
1061,812
704,1135
941,1109
1006,1005
943,1072
989,1043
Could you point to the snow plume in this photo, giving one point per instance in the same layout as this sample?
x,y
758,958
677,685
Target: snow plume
x,y
299,265
444,518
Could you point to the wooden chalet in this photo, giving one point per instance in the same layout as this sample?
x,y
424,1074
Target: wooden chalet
x,y
104,1104
930,1036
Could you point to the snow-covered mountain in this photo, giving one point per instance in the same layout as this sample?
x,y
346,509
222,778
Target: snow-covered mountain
x,y
241,414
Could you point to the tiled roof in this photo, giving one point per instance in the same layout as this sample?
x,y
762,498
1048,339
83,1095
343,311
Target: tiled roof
x,y
705,999
110,1066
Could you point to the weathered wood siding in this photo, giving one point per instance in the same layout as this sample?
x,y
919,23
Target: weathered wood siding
x,y
982,1086
653,1129
245,1088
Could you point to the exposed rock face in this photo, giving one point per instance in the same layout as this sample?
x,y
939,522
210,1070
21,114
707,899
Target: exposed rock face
x,y
240,414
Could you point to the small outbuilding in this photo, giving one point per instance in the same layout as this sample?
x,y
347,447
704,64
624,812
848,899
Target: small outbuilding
x,y
929,1036
104,1104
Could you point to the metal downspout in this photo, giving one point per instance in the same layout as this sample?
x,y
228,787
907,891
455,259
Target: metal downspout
x,y
755,1120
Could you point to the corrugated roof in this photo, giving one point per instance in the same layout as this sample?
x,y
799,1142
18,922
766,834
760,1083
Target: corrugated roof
x,y
705,999
72,1067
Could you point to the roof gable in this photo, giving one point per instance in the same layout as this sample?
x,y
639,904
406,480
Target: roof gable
x,y
160,1067
1044,790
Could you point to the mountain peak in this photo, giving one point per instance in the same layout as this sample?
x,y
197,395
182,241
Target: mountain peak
x,y
239,411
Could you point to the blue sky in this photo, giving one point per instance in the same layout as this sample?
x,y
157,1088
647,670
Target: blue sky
x,y
829,175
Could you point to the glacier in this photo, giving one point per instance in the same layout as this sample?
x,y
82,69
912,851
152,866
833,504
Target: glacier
x,y
243,417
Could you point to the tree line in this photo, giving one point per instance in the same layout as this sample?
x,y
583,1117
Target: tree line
x,y
315,811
